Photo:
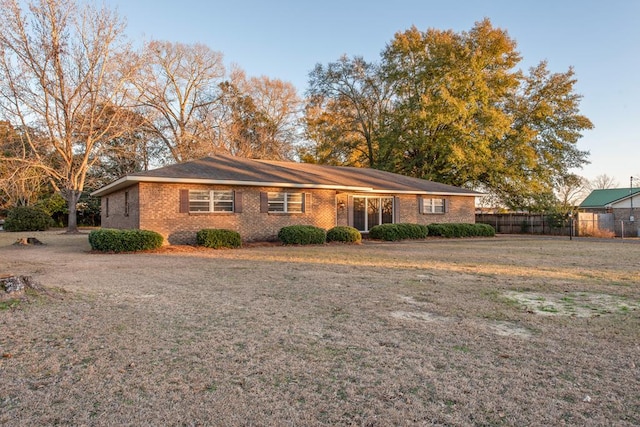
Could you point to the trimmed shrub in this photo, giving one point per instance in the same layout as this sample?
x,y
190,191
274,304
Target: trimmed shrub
x,y
389,232
25,218
461,230
344,234
302,235
218,238
112,240
413,231
402,231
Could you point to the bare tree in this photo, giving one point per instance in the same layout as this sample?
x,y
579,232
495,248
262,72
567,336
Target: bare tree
x,y
259,117
178,92
347,101
603,182
570,191
21,183
64,69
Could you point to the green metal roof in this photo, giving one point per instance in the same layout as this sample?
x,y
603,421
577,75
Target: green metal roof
x,y
602,198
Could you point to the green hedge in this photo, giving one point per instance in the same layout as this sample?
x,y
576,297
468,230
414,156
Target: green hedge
x,y
344,234
218,238
111,240
402,231
25,218
302,235
461,230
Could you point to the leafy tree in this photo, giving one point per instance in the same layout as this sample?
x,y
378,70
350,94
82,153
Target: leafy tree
x,y
454,108
64,69
449,89
55,206
541,148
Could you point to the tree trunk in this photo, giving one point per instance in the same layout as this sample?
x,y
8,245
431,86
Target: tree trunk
x,y
72,197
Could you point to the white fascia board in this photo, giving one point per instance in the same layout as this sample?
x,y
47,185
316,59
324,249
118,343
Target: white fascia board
x,y
428,193
129,180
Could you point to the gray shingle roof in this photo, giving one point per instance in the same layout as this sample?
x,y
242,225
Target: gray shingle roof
x,y
241,171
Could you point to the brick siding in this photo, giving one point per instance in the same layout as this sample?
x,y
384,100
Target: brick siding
x,y
115,215
156,206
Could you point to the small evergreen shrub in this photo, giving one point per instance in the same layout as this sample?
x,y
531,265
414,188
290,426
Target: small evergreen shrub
x,y
389,232
461,230
402,231
302,235
218,238
413,231
112,240
484,230
25,218
344,234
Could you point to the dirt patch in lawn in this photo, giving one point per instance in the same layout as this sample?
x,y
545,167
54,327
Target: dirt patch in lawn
x,y
578,304
438,332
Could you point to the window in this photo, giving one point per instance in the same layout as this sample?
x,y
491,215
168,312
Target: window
x,y
106,207
285,202
433,206
210,201
126,203
371,211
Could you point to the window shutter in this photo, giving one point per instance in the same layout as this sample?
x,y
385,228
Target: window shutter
x,y
350,211
445,202
237,201
420,205
184,201
307,202
264,202
396,209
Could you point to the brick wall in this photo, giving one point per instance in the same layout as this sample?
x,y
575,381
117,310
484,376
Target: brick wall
x,y
156,206
116,214
460,209
160,211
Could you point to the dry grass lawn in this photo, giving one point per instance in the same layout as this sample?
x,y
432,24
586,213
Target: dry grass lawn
x,y
503,331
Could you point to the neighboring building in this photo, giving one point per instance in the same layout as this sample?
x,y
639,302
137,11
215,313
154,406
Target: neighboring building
x,y
614,210
258,197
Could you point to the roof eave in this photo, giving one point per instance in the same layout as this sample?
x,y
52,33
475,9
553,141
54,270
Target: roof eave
x,y
129,180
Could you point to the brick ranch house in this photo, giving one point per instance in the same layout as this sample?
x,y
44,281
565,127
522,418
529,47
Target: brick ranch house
x,y
258,197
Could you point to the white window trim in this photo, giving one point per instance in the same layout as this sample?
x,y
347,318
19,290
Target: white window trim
x,y
428,206
212,201
285,202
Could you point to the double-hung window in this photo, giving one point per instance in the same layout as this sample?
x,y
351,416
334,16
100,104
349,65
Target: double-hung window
x,y
433,206
210,201
285,202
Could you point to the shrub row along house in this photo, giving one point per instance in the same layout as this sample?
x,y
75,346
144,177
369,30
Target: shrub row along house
x,y
258,197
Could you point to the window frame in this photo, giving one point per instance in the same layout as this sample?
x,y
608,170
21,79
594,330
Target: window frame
x,y
429,207
380,211
213,200
286,202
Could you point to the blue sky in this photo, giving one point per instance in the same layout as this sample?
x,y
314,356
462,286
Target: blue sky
x,y
285,39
